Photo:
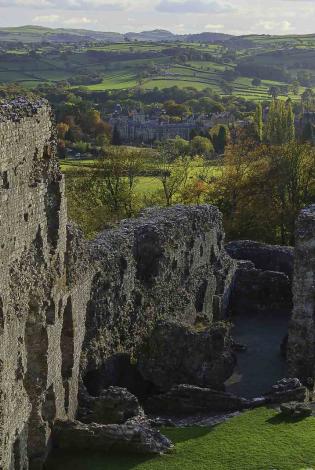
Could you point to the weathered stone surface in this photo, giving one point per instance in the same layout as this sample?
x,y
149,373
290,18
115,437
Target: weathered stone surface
x,y
286,390
42,317
114,406
301,342
168,264
118,370
176,354
57,290
188,399
263,278
264,257
133,438
260,291
295,409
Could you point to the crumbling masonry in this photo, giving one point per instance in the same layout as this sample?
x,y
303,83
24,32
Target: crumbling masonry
x,y
301,346
57,291
41,338
69,310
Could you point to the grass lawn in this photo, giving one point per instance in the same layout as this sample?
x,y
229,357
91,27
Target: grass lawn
x,y
256,440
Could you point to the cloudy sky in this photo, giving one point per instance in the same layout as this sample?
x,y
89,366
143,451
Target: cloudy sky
x,y
179,16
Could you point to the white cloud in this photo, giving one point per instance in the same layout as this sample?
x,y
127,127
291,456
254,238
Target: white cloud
x,y
192,6
72,21
27,3
75,21
46,19
107,5
230,16
213,27
280,26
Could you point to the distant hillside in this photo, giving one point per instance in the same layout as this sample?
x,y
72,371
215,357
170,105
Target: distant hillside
x,y
156,35
37,34
208,37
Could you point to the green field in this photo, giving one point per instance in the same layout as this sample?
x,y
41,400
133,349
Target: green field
x,y
256,440
150,65
145,185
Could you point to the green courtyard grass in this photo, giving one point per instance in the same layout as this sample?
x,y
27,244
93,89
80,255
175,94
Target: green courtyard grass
x,y
256,440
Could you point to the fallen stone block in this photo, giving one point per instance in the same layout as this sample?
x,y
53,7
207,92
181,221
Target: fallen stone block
x,y
188,399
295,409
132,438
287,390
114,406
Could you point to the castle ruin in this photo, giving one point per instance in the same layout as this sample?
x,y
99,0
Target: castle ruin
x,y
71,309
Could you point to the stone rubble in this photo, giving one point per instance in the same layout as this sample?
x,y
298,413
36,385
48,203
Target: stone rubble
x,y
132,438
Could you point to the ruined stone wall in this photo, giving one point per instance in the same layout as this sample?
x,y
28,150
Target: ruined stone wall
x,y
263,280
301,345
167,264
41,320
58,292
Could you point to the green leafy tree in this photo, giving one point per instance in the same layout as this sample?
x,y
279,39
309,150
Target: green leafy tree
x,y
263,188
295,87
116,138
280,127
220,137
290,124
308,99
201,146
173,173
258,122
274,91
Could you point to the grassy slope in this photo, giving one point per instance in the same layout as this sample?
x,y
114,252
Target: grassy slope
x,y
257,440
199,75
122,74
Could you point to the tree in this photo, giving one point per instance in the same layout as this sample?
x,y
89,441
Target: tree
x,y
295,86
280,126
219,137
201,146
114,179
258,122
290,124
256,82
308,99
227,88
62,129
174,109
274,91
263,188
173,174
116,139
180,147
